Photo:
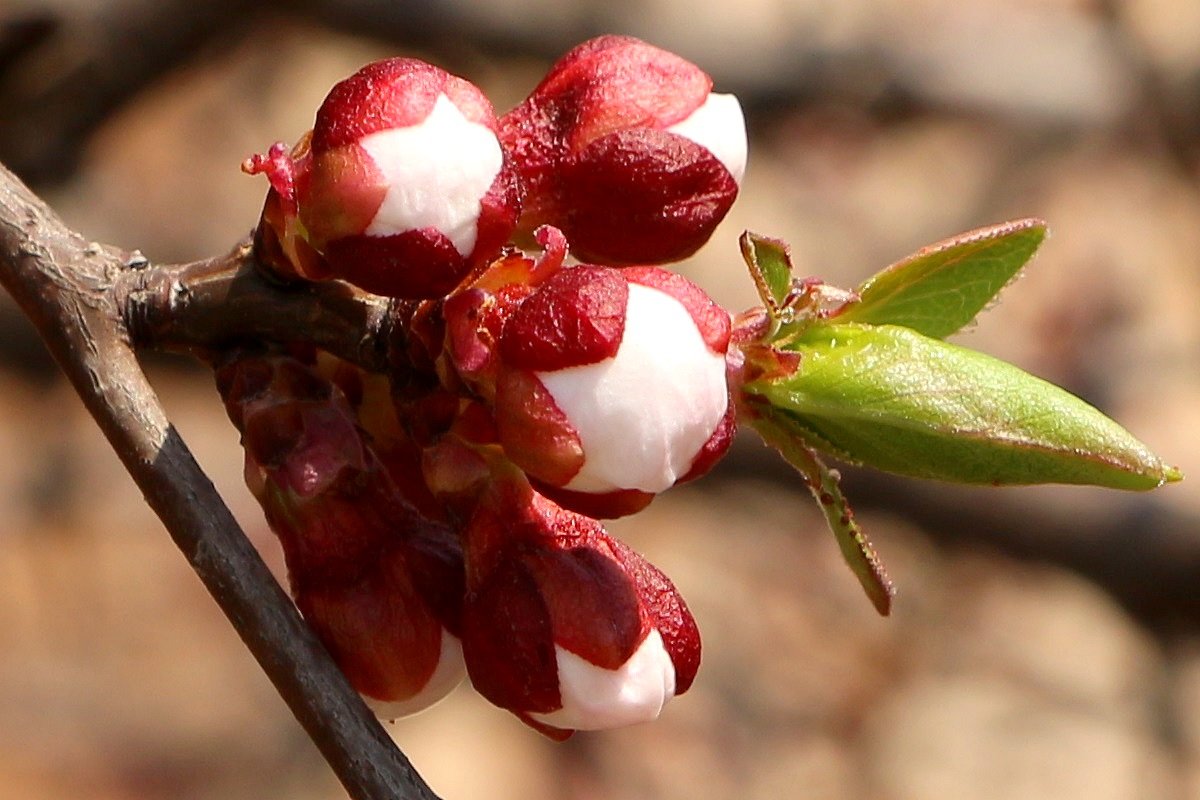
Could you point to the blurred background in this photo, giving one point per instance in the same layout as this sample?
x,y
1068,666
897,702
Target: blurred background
x,y
1045,642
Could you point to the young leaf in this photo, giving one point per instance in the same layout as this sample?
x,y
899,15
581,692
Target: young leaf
x,y
941,288
856,548
770,264
893,399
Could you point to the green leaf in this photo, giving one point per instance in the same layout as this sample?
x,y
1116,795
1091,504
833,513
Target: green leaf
x,y
940,288
891,398
856,548
770,264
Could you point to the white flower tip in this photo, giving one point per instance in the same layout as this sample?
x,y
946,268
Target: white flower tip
x,y
448,674
437,173
643,415
719,126
594,698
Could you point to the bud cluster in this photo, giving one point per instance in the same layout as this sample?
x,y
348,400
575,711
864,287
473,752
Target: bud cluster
x,y
408,181
379,581
443,517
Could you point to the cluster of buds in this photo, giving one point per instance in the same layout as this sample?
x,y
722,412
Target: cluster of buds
x,y
408,181
379,581
445,515
440,518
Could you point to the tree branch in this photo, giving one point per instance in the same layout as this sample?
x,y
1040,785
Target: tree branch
x,y
224,300
69,289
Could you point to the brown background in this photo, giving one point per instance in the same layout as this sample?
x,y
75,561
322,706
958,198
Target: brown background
x,y
1044,643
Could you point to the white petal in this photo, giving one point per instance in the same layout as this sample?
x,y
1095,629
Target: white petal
x,y
594,698
643,415
447,675
719,126
437,173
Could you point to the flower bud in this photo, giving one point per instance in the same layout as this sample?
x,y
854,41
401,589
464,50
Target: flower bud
x,y
566,627
404,187
611,386
626,148
380,584
385,637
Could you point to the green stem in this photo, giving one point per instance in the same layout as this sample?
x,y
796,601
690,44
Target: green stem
x,y
856,548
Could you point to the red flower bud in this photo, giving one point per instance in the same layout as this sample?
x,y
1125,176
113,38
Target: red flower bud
x,y
404,188
626,149
380,583
384,635
611,386
566,627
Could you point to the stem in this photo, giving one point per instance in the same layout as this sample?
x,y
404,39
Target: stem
x,y
70,290
856,548
219,302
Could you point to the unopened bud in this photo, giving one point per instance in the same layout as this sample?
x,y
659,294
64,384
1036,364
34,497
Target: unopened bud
x,y
612,386
380,583
626,148
404,187
566,627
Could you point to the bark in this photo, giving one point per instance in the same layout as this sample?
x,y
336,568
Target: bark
x,y
76,294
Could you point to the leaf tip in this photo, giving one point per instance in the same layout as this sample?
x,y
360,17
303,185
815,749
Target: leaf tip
x,y
1024,224
882,595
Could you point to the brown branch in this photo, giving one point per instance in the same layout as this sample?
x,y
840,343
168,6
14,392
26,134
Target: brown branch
x,y
68,288
222,301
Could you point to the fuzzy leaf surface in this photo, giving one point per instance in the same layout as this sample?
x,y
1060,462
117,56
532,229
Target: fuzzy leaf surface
x,y
770,265
888,397
942,287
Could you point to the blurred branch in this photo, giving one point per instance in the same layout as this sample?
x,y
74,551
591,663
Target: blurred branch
x,y
1140,551
1143,553
65,64
21,33
63,70
69,289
